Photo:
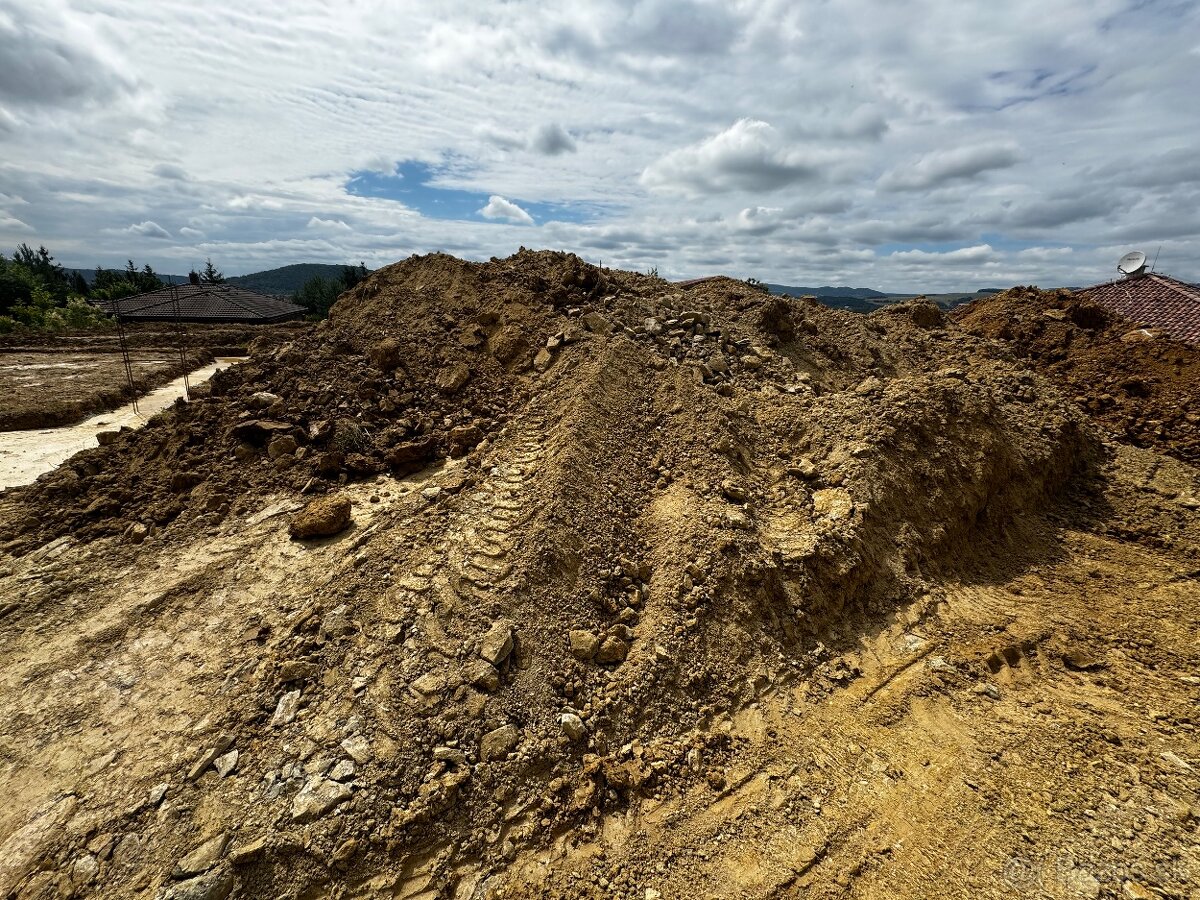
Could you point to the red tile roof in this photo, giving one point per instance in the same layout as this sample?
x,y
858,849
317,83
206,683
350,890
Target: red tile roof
x,y
1154,301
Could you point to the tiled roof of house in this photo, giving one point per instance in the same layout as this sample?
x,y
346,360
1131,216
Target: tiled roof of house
x,y
1154,301
205,303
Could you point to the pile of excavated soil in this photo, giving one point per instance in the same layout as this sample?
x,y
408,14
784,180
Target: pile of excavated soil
x,y
1141,386
589,559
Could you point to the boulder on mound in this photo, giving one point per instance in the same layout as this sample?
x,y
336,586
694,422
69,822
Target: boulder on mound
x,y
323,517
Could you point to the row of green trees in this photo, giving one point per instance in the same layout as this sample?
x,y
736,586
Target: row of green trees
x,y
37,292
319,292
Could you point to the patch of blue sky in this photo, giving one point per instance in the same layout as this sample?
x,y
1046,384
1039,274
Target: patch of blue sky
x,y
414,184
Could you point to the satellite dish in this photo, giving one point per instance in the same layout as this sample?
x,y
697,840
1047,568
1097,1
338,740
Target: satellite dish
x,y
1132,263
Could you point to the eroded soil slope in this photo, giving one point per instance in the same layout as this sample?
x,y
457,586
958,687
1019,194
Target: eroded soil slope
x,y
647,593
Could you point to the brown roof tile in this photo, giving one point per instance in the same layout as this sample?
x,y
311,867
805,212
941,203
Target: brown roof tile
x,y
1155,301
206,303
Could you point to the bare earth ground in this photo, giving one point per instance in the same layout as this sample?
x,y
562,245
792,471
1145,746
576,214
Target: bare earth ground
x,y
43,389
886,773
881,617
56,379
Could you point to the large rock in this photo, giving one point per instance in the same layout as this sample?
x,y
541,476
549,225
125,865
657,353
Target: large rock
x,y
612,650
202,858
499,743
216,885
482,674
453,377
463,438
497,643
323,517
584,644
412,455
317,797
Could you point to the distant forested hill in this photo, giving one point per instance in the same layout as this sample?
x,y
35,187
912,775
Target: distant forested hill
x,y
827,291
286,280
867,300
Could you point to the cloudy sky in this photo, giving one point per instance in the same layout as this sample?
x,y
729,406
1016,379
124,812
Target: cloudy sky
x,y
929,145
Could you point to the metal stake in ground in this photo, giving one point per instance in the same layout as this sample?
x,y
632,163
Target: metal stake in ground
x,y
125,354
180,338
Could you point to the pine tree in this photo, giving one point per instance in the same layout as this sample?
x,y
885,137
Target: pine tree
x,y
211,274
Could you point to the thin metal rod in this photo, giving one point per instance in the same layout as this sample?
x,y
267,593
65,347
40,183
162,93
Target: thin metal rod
x,y
125,355
180,334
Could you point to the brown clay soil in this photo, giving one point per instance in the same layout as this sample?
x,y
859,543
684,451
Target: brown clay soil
x,y
1139,385
645,593
58,378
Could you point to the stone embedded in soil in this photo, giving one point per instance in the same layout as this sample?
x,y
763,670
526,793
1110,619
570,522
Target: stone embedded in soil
x,y
612,650
482,674
833,503
499,743
245,854
1080,659
358,748
285,709
262,400
497,643
543,360
735,491
464,438
202,763
430,684
452,378
450,755
84,870
596,323
226,764
584,644
804,468
202,858
215,885
317,797
282,446
336,623
572,726
411,455
296,670
258,432
323,517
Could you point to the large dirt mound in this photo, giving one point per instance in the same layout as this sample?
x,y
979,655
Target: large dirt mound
x,y
1141,386
595,513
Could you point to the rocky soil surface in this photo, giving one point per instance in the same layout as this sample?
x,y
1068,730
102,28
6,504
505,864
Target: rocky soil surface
x,y
1139,385
531,579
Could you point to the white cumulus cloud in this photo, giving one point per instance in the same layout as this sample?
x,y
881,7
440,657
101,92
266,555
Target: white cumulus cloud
x,y
149,229
749,155
505,210
319,224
